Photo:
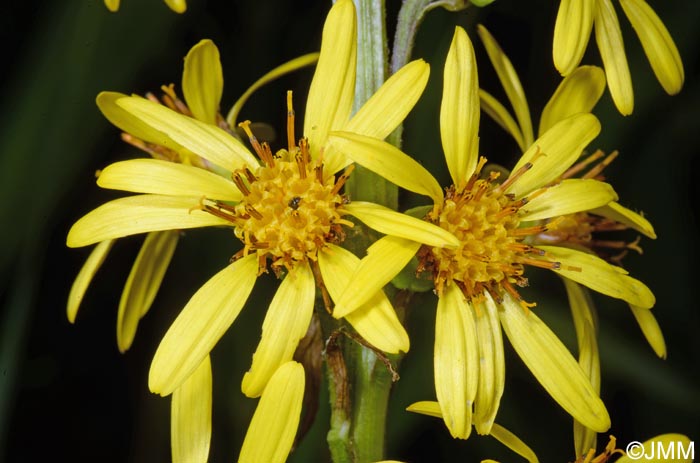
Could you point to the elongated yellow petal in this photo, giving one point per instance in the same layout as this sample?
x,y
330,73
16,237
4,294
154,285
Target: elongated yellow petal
x,y
658,45
271,432
582,309
459,109
279,71
585,438
333,86
143,283
388,161
190,417
651,330
514,443
139,214
392,102
553,366
84,278
426,407
496,111
511,83
569,196
579,92
612,51
207,141
554,152
595,273
286,322
112,5
385,259
203,81
375,320
127,122
628,217
167,178
200,325
492,368
456,361
571,33
682,450
178,6
390,222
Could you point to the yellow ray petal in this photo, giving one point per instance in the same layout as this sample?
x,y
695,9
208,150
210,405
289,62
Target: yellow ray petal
x,y
279,71
569,196
585,438
388,161
139,214
579,92
385,259
595,273
492,370
84,278
571,33
207,141
514,443
496,111
200,325
456,361
190,417
426,407
582,309
375,320
112,5
333,86
678,442
178,6
553,366
143,283
554,152
612,52
390,222
167,178
392,102
459,109
651,330
127,122
618,213
511,83
658,45
203,81
274,424
286,322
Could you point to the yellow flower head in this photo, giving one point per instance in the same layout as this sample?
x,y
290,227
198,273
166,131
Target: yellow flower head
x,y
285,207
573,27
178,6
477,281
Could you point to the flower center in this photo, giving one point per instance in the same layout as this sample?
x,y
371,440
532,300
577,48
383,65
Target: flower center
x,y
290,209
492,253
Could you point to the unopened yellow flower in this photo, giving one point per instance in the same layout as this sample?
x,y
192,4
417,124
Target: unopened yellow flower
x,y
288,211
573,27
178,6
476,283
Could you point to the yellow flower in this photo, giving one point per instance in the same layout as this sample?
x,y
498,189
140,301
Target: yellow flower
x,y
573,27
288,211
476,283
178,6
202,85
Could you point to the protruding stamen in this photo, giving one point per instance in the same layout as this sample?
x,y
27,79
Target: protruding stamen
x,y
249,175
291,142
529,230
253,212
304,148
475,176
259,150
510,180
238,180
595,171
513,292
550,265
301,164
342,179
579,166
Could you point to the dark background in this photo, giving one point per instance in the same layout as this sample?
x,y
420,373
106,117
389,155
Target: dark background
x,y
65,391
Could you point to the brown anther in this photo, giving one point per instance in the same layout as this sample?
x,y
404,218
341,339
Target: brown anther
x,y
503,187
342,179
236,177
475,176
301,164
249,175
510,210
529,230
319,173
304,148
290,122
550,265
595,171
259,150
253,212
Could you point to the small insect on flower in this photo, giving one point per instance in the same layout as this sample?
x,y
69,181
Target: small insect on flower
x,y
294,202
